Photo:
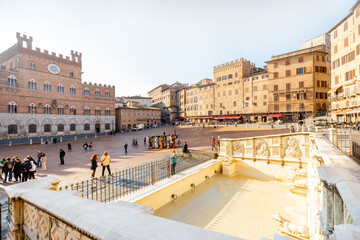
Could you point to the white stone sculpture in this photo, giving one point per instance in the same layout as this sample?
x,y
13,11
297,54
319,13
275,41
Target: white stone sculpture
x,y
292,148
238,148
292,229
262,149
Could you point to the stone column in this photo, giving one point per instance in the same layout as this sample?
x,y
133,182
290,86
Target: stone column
x,y
333,136
303,128
257,125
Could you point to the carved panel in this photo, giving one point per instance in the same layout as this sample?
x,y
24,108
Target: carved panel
x,y
292,149
262,148
30,217
238,148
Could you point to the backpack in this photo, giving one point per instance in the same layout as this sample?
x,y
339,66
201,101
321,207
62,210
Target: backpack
x,y
27,166
9,166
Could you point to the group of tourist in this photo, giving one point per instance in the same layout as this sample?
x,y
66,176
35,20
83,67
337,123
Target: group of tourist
x,y
87,146
161,142
105,163
21,171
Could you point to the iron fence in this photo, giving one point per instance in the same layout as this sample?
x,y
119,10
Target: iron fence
x,y
123,182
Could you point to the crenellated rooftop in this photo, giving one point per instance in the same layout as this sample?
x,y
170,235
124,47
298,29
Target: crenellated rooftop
x,y
236,61
97,85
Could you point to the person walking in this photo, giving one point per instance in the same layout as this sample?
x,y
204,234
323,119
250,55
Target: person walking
x,y
213,146
39,158
173,161
17,170
126,147
43,162
185,148
8,166
105,162
69,147
90,146
25,168
33,168
94,164
62,155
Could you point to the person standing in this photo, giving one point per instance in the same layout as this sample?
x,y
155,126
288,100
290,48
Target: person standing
x,y
144,141
126,147
173,161
25,168
17,170
85,146
43,162
94,164
8,170
185,148
105,162
90,146
2,161
62,155
33,168
213,146
39,158
69,147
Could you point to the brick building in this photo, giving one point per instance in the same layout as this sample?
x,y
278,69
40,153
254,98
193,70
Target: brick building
x,y
165,97
345,67
42,94
132,113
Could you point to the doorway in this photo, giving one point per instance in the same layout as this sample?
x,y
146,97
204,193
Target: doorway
x,y
97,127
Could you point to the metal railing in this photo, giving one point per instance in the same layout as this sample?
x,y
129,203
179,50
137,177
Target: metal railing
x,y
123,182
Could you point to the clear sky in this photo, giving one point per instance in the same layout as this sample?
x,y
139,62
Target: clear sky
x,y
139,44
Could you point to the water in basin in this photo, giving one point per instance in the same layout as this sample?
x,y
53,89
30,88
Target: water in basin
x,y
240,206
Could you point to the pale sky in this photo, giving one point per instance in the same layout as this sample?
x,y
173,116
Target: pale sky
x,y
137,45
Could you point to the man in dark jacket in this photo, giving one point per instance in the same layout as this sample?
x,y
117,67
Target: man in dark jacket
x,y
25,168
62,155
17,169
7,168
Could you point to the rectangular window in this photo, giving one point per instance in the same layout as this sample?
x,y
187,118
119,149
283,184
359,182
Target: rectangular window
x,y
224,78
276,75
301,106
275,65
71,74
335,34
234,103
264,87
288,97
301,59
230,76
300,71
335,49
255,104
276,98
264,103
288,107
236,74
288,87
301,84
264,96
345,26
218,79
288,73
317,83
346,42
236,91
32,66
276,88
255,88
287,62
276,108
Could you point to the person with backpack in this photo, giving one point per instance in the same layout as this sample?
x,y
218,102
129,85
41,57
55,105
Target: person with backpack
x,y
8,170
62,155
25,168
17,169
94,164
105,162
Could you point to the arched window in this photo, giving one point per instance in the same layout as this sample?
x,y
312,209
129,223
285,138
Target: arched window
x,y
72,90
107,126
60,127
12,107
32,108
107,94
47,87
86,92
97,111
12,129
12,81
86,127
60,110
107,111
60,88
73,127
87,111
32,84
47,109
72,110
97,93
47,128
32,128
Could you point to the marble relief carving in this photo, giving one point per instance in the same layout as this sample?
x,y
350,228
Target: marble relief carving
x,y
262,149
292,148
238,148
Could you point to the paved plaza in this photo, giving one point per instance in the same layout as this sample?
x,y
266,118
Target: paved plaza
x,y
77,162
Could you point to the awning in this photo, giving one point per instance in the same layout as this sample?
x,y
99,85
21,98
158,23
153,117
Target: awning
x,y
227,117
343,112
178,119
274,115
200,117
354,111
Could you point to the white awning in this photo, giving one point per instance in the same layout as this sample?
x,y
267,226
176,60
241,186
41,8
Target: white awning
x,y
354,111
